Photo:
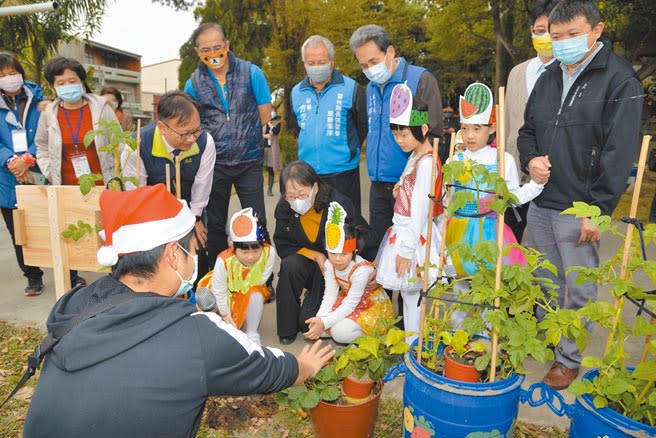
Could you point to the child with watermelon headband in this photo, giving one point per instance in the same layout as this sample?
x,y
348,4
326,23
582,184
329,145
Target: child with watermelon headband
x,y
474,222
240,274
347,310
404,246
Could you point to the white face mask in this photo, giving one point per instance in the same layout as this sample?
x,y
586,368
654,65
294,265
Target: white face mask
x,y
187,285
301,206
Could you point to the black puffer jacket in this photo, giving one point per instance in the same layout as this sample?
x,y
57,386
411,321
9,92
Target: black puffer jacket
x,y
591,139
289,236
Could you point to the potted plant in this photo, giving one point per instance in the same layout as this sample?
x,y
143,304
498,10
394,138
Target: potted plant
x,y
461,353
613,399
332,412
453,408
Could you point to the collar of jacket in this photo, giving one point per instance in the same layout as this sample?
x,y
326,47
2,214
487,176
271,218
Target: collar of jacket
x,y
28,95
335,78
600,61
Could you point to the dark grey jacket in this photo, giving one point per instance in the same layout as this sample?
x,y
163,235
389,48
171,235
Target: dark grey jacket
x,y
144,368
591,139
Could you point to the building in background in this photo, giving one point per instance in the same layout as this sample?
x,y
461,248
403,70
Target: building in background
x,y
109,66
157,79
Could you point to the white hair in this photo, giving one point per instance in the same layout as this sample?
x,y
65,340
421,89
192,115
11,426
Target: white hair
x,y
316,40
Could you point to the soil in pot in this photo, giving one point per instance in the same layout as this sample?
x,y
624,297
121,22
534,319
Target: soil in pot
x,y
461,368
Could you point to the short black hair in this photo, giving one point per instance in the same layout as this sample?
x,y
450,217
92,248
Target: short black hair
x,y
304,174
204,27
540,8
567,10
176,105
57,66
144,263
9,60
358,233
247,245
417,105
114,92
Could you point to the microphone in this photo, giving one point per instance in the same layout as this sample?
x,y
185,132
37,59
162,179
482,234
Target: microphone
x,y
206,300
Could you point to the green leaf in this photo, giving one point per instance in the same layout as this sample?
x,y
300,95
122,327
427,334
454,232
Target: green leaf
x,y
369,344
591,362
645,371
599,402
342,361
641,328
482,362
583,210
580,387
394,336
618,386
309,399
330,393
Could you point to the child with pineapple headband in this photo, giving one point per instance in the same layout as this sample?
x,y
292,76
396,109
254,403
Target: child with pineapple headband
x,y
474,222
240,274
403,248
347,310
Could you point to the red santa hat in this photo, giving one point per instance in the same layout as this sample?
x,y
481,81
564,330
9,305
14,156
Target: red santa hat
x,y
140,220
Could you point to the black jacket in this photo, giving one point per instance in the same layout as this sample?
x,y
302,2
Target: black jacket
x,y
289,236
592,139
144,368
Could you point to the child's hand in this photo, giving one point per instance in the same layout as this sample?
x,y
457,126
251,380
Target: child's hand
x,y
372,284
395,190
315,329
227,318
402,265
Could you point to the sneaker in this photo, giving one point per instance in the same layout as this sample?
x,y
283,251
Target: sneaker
x,y
34,287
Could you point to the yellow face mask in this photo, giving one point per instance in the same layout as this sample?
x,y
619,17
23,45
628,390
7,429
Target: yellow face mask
x,y
215,59
542,44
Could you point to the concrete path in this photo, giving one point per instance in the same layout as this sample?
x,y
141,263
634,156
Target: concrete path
x,y
15,307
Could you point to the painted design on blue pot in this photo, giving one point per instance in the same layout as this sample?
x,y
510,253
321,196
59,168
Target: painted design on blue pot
x,y
418,427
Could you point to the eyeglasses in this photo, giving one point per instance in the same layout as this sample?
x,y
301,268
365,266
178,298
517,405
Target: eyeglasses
x,y
211,49
195,133
290,197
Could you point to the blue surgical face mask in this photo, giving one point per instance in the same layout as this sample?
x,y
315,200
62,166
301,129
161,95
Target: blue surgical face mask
x,y
379,73
186,285
318,73
70,93
571,50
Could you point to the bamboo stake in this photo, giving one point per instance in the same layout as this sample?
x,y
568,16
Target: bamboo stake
x,y
619,301
137,150
168,177
501,150
178,189
447,197
429,237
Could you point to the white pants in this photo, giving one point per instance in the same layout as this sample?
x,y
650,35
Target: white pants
x,y
346,331
253,317
411,314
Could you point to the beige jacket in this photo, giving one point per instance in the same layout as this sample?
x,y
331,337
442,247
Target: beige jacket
x,y
49,142
516,99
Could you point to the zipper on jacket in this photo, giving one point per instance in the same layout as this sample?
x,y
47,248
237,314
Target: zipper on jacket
x,y
380,129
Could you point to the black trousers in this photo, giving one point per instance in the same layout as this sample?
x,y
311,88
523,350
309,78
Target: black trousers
x,y
30,272
296,274
249,184
381,207
348,184
517,226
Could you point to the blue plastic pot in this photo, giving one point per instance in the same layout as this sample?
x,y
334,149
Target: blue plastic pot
x,y
435,406
586,420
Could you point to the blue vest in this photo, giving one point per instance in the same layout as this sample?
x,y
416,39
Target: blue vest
x,y
237,131
328,139
155,162
385,159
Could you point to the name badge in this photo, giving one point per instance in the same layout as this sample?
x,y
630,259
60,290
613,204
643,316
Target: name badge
x,y
80,165
19,140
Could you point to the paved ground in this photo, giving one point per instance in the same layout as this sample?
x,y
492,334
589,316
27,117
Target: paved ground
x,y
15,307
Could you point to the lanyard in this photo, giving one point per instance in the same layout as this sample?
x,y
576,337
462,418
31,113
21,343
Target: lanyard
x,y
74,135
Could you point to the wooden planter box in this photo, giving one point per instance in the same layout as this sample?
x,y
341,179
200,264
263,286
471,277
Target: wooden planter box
x,y
43,213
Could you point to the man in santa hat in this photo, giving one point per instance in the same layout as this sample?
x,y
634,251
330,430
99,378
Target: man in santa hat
x,y
145,366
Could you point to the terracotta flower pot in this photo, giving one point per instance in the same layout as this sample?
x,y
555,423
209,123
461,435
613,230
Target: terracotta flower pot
x,y
355,420
356,388
459,371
